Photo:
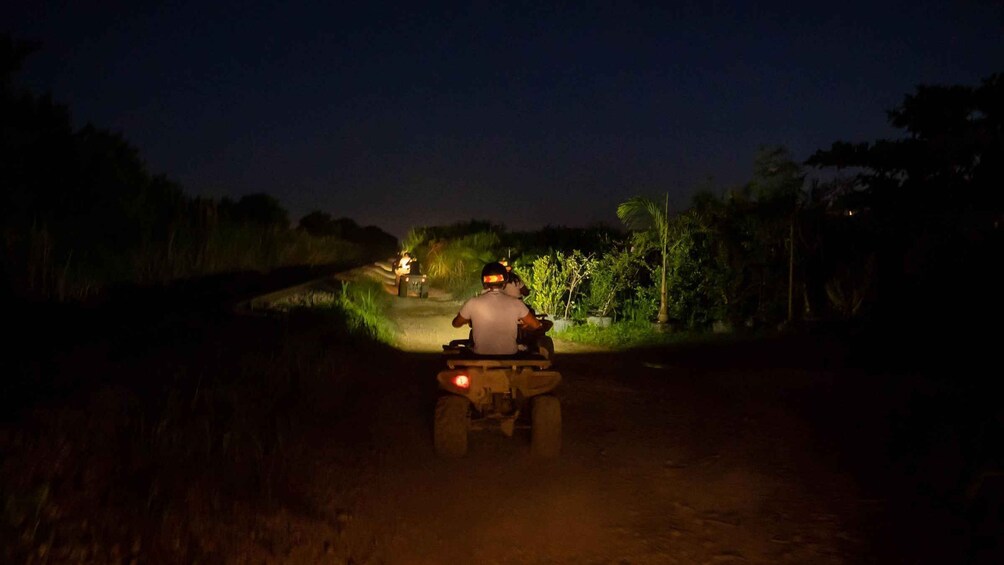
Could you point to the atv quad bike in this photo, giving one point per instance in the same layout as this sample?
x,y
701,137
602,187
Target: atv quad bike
x,y
413,285
410,280
489,391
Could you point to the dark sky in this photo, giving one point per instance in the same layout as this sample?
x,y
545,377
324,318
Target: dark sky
x,y
525,115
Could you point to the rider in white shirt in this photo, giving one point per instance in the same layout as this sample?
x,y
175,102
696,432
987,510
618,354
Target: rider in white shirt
x,y
494,315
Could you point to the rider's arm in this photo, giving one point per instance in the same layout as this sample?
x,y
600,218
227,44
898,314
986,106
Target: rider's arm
x,y
530,322
460,321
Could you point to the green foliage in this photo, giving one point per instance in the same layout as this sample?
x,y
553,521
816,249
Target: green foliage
x,y
641,213
691,273
729,260
456,264
364,305
725,259
623,335
546,280
612,275
415,240
642,305
577,268
555,280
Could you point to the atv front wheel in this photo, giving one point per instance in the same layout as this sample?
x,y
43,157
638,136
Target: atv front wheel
x,y
450,426
545,428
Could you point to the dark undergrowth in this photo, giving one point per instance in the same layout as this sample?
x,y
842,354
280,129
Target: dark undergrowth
x,y
908,413
157,434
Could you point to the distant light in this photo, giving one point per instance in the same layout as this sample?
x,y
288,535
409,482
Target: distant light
x,y
851,212
461,381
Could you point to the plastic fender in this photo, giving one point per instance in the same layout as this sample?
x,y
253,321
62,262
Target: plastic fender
x,y
483,383
445,379
532,383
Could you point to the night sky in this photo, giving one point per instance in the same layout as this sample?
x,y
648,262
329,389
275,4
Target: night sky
x,y
525,115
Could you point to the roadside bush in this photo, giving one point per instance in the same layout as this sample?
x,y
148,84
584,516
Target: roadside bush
x,y
612,277
555,281
545,278
578,267
690,274
456,264
364,305
621,335
642,306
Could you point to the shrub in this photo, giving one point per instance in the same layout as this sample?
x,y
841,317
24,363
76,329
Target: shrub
x,y
546,281
612,275
622,335
456,264
364,306
642,306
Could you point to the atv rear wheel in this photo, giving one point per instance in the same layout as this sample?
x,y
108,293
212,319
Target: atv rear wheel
x,y
545,428
451,425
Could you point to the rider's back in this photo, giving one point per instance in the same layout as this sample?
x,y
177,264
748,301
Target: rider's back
x,y
494,317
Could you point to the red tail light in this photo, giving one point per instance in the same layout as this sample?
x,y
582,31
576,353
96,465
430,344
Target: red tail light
x,y
461,381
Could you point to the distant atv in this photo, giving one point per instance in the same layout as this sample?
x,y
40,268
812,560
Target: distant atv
x,y
413,285
410,280
495,390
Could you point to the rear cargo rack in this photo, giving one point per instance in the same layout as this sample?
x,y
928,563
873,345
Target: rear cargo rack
x,y
495,363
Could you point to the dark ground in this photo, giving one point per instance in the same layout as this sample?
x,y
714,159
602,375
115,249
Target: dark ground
x,y
179,432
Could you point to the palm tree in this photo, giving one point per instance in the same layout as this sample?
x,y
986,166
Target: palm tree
x,y
644,213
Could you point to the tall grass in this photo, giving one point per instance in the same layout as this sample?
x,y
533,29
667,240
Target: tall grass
x,y
207,436
45,264
364,305
231,247
455,264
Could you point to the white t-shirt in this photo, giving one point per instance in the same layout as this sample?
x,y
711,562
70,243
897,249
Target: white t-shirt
x,y
493,317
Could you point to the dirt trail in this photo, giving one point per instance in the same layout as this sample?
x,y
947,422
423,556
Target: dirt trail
x,y
669,465
751,451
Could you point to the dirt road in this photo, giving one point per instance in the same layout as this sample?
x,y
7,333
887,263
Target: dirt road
x,y
664,462
288,439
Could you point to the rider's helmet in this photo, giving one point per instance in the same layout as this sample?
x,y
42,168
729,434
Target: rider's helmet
x,y
494,275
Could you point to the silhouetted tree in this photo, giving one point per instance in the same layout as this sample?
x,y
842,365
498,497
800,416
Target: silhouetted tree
x,y
259,209
934,196
317,224
79,209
